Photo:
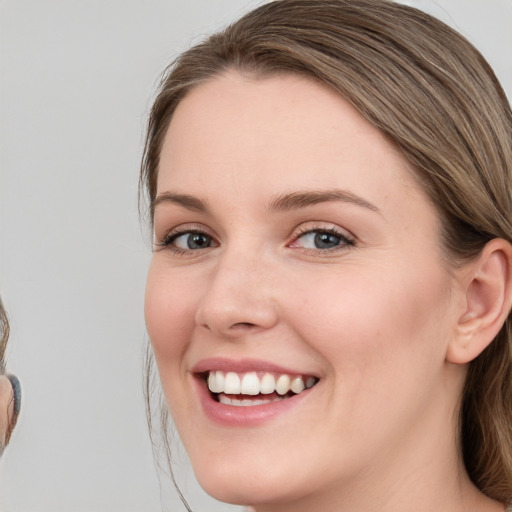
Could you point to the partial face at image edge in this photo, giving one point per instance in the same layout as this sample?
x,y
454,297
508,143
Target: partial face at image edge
x,y
10,389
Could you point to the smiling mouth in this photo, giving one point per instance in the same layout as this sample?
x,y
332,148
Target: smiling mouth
x,y
255,388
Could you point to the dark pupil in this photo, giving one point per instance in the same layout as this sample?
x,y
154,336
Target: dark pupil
x,y
326,240
198,241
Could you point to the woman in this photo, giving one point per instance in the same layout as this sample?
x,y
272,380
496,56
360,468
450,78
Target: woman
x,y
10,391
328,301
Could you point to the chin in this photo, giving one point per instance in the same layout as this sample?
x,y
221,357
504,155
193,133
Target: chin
x,y
232,480
241,489
254,479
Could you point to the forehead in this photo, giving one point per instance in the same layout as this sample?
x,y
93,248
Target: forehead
x,y
278,133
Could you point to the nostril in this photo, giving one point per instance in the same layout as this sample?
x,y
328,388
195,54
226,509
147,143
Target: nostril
x,y
243,325
231,315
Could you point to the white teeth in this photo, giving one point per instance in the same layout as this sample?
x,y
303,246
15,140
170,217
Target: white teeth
x,y
297,385
212,382
246,402
231,384
283,384
267,384
216,382
250,384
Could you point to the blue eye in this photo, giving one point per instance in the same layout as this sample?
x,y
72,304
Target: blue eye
x,y
321,240
183,241
191,241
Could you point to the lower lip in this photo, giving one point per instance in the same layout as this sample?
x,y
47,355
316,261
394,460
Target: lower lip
x,y
243,416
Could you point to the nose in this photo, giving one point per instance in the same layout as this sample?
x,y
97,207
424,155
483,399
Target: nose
x,y
239,299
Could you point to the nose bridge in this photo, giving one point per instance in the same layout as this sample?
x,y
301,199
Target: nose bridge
x,y
238,296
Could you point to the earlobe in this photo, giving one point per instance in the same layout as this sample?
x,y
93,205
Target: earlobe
x,y
488,289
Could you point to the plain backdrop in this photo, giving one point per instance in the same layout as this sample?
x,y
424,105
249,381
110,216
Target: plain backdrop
x,y
77,78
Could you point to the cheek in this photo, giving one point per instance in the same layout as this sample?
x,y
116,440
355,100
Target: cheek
x,y
5,406
169,314
382,338
367,323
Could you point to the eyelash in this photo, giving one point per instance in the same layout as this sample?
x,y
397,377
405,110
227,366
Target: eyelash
x,y
168,240
345,240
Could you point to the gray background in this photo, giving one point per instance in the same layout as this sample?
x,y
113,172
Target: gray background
x,y
76,82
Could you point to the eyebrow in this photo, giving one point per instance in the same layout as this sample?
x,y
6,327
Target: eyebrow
x,y
281,202
297,200
186,201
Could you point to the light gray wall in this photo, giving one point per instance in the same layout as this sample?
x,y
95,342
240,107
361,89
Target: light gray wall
x,y
76,82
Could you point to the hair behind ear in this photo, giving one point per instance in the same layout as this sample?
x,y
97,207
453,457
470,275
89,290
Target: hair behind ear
x,y
486,418
485,343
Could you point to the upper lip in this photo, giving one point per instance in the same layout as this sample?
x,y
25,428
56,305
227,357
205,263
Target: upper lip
x,y
244,365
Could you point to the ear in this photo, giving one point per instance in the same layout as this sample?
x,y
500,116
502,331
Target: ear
x,y
488,299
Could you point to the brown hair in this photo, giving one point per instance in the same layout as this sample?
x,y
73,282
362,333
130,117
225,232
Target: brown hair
x,y
433,94
4,336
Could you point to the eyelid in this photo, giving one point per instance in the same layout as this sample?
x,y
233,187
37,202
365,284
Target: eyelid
x,y
165,241
310,226
347,238
178,230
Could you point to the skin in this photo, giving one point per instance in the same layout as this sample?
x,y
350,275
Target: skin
x,y
6,410
10,391
374,319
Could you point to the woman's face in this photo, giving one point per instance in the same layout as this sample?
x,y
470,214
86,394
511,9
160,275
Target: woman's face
x,y
10,391
6,409
294,247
